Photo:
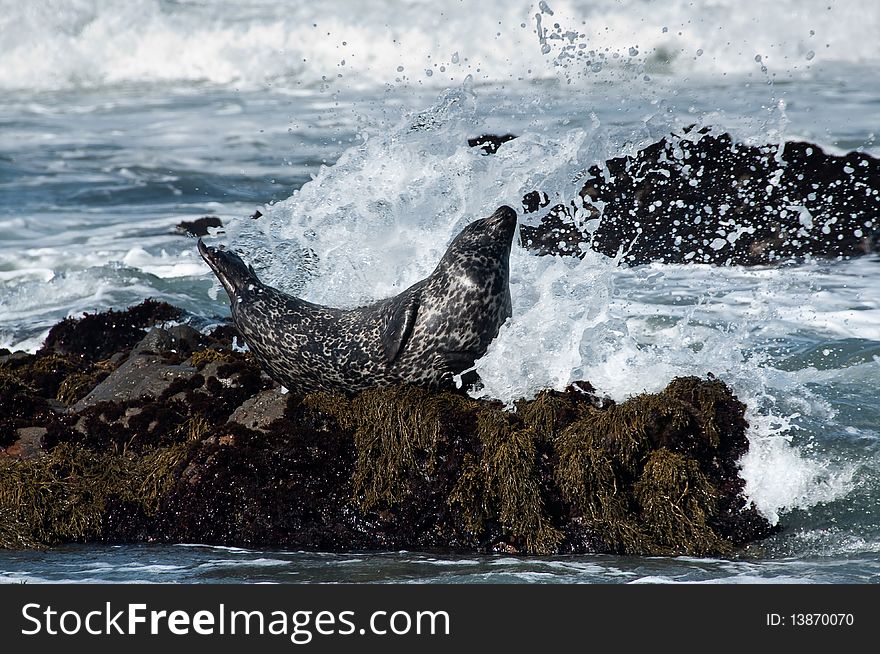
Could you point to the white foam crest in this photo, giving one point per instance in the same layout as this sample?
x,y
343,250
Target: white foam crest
x,y
165,265
235,563
666,320
780,477
89,42
44,263
52,44
724,36
834,541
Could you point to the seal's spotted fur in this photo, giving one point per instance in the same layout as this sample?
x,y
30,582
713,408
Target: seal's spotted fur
x,y
433,330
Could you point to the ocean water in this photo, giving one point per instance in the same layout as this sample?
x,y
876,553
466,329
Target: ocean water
x,y
346,124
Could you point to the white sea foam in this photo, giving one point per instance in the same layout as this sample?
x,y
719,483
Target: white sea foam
x,y
57,44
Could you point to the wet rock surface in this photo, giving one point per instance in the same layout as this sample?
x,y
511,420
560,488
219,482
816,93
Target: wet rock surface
x,y
101,335
702,197
200,226
219,454
261,410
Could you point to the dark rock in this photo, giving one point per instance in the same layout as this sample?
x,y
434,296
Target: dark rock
x,y
157,341
700,197
11,358
431,470
20,406
179,339
149,371
261,410
78,384
209,450
43,374
199,227
225,335
489,143
256,215
240,486
101,335
153,400
56,406
28,445
141,376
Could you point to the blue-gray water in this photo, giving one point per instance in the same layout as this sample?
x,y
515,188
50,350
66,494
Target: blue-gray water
x,y
136,116
214,565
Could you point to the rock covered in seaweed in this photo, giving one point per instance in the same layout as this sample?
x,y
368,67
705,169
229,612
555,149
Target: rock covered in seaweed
x,y
99,336
220,456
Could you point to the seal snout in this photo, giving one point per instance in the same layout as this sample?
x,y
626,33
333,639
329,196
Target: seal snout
x,y
504,214
205,250
504,219
228,266
502,222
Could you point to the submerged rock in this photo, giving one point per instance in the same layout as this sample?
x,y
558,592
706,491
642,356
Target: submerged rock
x,y
489,143
200,226
220,455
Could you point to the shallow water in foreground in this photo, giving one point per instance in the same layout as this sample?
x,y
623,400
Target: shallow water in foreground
x,y
225,565
102,154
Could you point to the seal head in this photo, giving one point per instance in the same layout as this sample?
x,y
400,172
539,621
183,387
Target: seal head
x,y
430,332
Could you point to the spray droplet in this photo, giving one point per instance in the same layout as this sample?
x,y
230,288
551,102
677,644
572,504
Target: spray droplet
x,y
400,69
810,55
633,52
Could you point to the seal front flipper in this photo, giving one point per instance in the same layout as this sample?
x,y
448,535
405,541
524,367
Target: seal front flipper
x,y
456,361
399,326
459,362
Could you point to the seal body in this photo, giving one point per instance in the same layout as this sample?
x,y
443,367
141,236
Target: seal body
x,y
430,332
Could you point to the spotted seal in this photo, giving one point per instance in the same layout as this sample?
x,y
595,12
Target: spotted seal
x,y
430,332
